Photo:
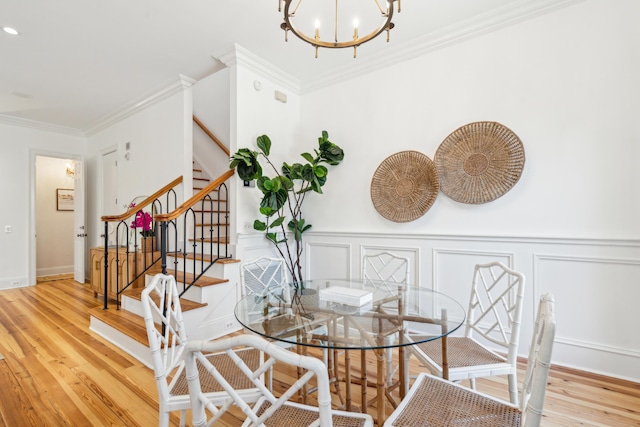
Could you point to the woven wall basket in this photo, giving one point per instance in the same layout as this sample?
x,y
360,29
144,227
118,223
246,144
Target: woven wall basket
x,y
479,162
404,186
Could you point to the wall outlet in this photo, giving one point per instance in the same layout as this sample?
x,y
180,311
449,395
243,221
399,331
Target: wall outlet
x,y
15,283
228,325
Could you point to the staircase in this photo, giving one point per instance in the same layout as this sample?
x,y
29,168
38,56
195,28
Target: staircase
x,y
207,305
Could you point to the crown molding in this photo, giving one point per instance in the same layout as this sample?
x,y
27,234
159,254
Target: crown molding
x,y
173,86
510,14
41,126
237,54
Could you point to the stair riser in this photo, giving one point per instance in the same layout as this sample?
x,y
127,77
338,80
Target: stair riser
x,y
210,232
216,270
208,322
122,341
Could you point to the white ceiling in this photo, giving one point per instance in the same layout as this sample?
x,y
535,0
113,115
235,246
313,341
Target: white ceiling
x,y
78,62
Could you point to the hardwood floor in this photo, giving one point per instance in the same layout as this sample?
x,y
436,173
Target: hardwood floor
x,y
55,372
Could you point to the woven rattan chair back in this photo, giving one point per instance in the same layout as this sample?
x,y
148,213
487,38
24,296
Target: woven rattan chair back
x,y
261,275
167,340
278,411
436,402
493,322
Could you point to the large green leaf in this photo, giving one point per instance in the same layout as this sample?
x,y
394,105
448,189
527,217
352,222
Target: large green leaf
x,y
246,164
298,227
277,223
259,225
331,153
264,144
275,200
266,211
320,171
308,157
307,173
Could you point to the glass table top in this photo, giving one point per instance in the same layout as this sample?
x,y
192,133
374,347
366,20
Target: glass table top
x,y
350,314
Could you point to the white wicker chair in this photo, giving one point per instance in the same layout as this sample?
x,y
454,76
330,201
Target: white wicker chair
x,y
167,340
434,402
263,276
386,269
267,277
493,318
270,410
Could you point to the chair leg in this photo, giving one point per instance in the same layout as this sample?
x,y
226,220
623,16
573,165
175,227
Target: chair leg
x,y
390,371
472,382
163,420
183,418
513,388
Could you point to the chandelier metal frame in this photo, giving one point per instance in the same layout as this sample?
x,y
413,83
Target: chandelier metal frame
x,y
315,41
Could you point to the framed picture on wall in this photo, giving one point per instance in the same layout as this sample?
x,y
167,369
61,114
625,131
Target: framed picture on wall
x,y
64,199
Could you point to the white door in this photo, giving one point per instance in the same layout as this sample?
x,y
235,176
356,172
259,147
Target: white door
x,y
78,223
110,204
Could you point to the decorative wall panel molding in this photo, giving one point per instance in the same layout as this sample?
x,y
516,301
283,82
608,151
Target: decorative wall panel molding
x,y
329,260
591,279
596,300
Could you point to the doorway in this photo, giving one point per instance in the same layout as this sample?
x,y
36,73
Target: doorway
x,y
57,207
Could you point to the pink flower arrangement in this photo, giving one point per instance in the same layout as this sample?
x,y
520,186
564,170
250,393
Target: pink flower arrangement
x,y
144,221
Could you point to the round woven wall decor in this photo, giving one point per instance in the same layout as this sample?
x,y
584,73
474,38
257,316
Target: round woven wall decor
x,y
479,162
404,186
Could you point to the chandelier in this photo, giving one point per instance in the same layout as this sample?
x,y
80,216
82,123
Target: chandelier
x,y
376,16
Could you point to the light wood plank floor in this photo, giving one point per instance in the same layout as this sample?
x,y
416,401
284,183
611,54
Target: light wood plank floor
x,y
55,372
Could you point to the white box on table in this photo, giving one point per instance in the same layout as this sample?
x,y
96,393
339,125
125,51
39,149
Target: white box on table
x,y
348,296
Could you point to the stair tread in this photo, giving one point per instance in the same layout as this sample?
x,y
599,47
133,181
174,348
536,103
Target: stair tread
x,y
179,275
208,240
124,321
185,304
196,187
191,255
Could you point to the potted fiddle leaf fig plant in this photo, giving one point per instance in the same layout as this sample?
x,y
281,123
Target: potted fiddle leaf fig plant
x,y
284,193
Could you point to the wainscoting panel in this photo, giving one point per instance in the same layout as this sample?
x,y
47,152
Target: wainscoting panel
x,y
596,308
595,283
453,270
327,260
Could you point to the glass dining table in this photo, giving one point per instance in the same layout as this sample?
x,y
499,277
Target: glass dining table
x,y
346,315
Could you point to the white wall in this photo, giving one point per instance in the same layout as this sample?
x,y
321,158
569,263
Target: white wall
x,y
255,112
211,99
19,144
160,151
566,83
54,228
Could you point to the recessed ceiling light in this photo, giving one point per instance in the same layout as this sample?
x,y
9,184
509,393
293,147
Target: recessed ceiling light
x,y
11,31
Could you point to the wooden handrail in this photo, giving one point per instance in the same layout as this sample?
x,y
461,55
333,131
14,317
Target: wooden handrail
x,y
143,204
211,135
195,198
